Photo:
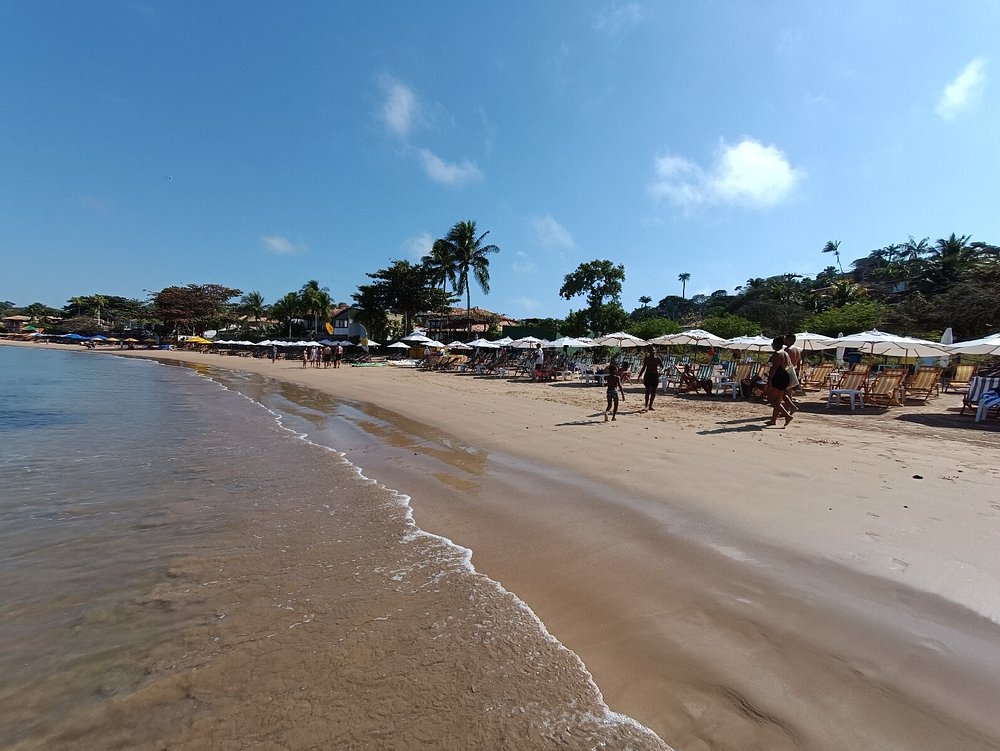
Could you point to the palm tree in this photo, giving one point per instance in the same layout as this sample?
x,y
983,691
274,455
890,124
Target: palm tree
x,y
833,246
683,279
98,302
286,309
645,300
78,305
316,301
471,256
252,304
442,264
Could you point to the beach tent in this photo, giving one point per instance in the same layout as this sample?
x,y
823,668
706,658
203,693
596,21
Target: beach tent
x,y
892,345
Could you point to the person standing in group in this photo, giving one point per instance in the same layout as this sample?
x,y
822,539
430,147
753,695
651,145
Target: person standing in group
x,y
305,357
649,373
614,383
274,352
338,355
539,362
779,383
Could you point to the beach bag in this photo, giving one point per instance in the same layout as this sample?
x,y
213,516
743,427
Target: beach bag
x,y
793,377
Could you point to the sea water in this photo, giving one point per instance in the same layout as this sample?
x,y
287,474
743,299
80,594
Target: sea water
x,y
172,544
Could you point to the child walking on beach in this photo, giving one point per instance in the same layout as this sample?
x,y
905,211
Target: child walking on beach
x,y
614,384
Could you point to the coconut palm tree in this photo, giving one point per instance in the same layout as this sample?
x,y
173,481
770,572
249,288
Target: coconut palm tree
x,y
316,301
833,246
252,304
683,279
442,264
471,257
286,309
645,300
98,302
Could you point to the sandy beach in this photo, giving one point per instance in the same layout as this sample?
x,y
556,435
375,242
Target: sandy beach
x,y
833,585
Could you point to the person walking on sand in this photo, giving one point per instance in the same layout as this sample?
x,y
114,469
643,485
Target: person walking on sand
x,y
274,352
614,384
650,375
779,383
795,356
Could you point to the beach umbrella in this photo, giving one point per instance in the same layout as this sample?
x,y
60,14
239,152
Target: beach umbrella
x,y
568,341
621,339
877,342
484,343
809,341
988,345
946,338
503,341
458,345
399,345
525,342
841,351
434,343
757,343
697,337
373,343
416,336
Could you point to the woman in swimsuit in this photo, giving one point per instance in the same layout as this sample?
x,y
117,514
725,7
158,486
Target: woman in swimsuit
x,y
650,375
779,382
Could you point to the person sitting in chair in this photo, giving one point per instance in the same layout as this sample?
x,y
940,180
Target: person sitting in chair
x,y
690,382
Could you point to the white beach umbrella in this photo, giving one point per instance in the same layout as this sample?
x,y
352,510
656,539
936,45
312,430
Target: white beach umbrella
x,y
526,342
988,345
893,345
697,337
758,343
458,345
373,343
841,351
503,341
948,337
484,343
416,336
809,341
568,341
399,345
434,344
620,339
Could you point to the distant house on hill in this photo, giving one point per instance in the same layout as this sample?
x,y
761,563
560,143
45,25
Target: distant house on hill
x,y
454,324
13,324
347,326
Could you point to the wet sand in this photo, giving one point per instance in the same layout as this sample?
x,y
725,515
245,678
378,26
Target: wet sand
x,y
727,586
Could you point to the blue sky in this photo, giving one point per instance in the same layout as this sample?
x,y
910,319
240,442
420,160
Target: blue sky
x,y
259,144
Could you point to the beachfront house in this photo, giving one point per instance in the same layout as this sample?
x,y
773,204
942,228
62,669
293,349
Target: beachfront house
x,y
14,324
454,324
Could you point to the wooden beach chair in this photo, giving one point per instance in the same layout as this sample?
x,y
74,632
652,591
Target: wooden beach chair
x,y
852,387
962,378
885,390
818,376
732,383
923,384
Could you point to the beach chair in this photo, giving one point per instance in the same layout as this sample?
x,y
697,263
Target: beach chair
x,y
977,388
851,386
924,383
989,400
962,378
818,376
885,390
731,383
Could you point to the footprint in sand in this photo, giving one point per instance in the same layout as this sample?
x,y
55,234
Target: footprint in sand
x,y
900,564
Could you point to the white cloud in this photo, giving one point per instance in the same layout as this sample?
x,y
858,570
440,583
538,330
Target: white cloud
x,y
523,265
418,246
400,108
618,19
525,304
281,246
449,173
748,174
551,234
964,92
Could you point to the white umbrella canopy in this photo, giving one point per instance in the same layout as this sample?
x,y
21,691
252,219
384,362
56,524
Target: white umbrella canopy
x,y
988,345
568,341
758,343
526,342
697,337
458,345
620,339
893,345
434,344
807,340
399,345
503,342
484,343
417,336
